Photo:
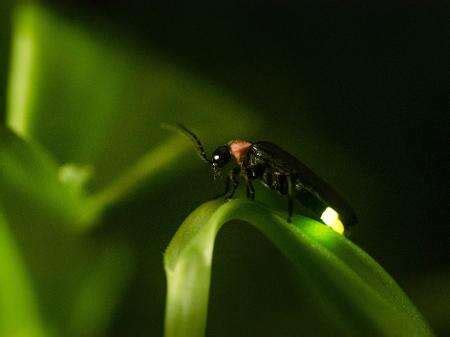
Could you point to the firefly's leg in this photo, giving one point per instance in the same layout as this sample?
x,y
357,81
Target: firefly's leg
x,y
290,198
231,183
233,178
250,188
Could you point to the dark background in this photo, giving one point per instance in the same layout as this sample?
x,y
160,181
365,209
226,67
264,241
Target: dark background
x,y
371,79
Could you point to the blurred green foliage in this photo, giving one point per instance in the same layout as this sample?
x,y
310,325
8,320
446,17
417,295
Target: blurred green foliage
x,y
19,315
84,131
92,190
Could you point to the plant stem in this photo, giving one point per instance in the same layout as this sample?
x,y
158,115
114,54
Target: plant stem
x,y
150,164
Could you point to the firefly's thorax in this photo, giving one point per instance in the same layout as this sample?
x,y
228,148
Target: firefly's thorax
x,y
238,149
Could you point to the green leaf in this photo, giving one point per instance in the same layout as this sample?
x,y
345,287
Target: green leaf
x,y
19,314
357,297
30,184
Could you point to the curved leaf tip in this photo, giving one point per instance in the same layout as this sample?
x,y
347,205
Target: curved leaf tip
x,y
358,296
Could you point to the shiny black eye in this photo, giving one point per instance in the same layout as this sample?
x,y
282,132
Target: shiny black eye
x,y
221,156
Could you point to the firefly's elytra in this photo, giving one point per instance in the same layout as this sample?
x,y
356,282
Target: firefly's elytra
x,y
280,171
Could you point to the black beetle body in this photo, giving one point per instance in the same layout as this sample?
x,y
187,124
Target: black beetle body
x,y
277,169
280,171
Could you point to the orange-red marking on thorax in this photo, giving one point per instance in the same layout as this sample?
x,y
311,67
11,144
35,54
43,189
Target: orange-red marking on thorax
x,y
238,149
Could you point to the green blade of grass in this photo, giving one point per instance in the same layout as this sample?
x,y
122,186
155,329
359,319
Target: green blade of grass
x,y
361,297
99,291
19,315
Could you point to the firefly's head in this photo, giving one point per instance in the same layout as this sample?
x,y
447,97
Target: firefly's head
x,y
235,150
220,157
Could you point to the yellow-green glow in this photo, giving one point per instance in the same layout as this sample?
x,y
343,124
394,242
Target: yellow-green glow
x,y
20,86
331,218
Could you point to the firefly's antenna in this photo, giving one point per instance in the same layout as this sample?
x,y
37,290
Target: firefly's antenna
x,y
188,133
